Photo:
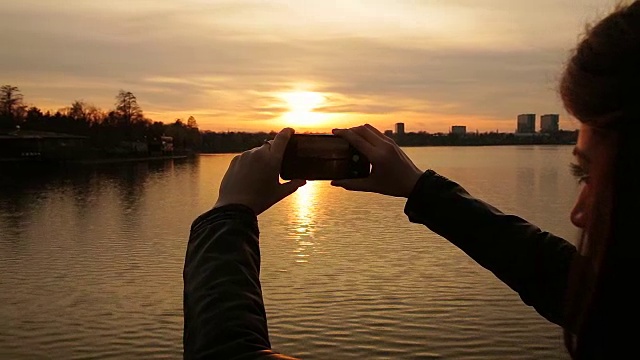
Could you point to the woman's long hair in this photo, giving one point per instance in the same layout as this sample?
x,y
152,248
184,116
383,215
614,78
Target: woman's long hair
x,y
601,88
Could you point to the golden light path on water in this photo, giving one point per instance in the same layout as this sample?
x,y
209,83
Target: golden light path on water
x,y
304,220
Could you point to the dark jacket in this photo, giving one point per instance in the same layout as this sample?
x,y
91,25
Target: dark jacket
x,y
224,315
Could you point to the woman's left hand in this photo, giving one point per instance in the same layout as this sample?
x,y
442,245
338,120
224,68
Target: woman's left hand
x,y
253,177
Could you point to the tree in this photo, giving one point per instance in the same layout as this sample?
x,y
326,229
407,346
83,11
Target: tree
x,y
127,109
12,108
94,114
156,129
191,122
78,111
34,118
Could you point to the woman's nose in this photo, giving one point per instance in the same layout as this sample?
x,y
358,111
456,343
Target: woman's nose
x,y
579,212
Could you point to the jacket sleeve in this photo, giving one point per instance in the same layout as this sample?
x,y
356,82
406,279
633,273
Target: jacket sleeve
x,y
224,314
530,261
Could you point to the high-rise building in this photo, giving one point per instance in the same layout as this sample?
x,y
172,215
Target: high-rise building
x,y
549,123
399,128
459,129
526,124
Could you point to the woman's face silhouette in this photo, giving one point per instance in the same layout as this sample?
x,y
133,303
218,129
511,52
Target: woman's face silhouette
x,y
593,153
583,152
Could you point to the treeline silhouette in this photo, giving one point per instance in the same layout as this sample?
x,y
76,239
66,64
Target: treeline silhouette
x,y
114,131
119,131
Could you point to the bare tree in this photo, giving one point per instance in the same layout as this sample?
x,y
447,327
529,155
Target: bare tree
x,y
78,110
127,108
94,114
12,108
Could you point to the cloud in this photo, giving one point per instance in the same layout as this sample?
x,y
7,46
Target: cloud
x,y
223,60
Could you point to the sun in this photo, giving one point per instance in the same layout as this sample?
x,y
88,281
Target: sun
x,y
301,106
303,101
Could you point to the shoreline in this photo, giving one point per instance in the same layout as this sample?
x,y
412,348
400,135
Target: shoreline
x,y
568,143
118,160
125,160
97,161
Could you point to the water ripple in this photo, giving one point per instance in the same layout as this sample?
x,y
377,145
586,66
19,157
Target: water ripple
x,y
92,266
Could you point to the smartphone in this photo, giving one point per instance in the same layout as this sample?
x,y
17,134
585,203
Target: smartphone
x,y
322,157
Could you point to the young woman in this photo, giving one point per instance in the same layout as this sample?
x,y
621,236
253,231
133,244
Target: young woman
x,y
601,88
588,290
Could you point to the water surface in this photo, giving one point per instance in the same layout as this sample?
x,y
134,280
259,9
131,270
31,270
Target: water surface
x,y
91,262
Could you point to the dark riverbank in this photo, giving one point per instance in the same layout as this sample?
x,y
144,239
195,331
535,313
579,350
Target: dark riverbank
x,y
92,161
129,159
40,148
218,143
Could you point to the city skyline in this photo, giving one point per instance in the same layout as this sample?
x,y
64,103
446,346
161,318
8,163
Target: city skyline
x,y
257,66
526,123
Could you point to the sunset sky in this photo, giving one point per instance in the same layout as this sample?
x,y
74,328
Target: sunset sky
x,y
254,65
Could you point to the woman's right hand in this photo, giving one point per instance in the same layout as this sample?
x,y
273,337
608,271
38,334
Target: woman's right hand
x,y
392,173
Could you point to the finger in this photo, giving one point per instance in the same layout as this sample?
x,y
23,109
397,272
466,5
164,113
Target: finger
x,y
265,148
380,134
405,156
354,184
279,143
371,136
289,188
231,168
234,160
356,140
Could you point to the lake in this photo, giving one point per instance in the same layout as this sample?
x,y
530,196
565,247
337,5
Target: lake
x,y
91,262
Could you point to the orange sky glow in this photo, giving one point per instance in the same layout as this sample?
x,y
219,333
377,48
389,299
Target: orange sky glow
x,y
251,65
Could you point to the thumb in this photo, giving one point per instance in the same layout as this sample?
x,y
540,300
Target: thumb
x,y
354,184
289,188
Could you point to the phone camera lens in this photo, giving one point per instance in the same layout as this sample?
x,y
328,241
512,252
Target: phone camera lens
x,y
355,158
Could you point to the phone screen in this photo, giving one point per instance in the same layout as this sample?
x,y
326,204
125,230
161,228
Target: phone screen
x,y
322,157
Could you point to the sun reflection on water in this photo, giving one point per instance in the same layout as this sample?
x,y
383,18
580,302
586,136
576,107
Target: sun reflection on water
x,y
303,221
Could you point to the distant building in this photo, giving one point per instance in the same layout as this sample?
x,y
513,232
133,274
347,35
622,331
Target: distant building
x,y
161,146
167,144
526,124
459,129
388,133
550,123
400,129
